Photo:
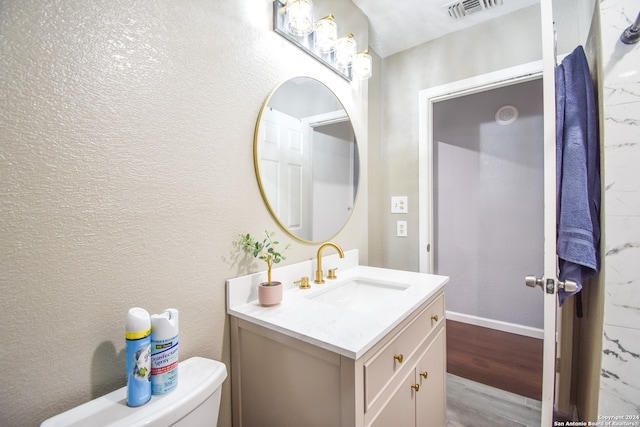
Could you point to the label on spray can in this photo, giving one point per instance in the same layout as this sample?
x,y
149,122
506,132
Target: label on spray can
x,y
164,365
164,351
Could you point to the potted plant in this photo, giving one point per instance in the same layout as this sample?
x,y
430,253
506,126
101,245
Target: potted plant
x,y
269,292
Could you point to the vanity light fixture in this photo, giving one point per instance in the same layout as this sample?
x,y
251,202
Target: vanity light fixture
x,y
346,48
362,65
293,20
326,33
299,15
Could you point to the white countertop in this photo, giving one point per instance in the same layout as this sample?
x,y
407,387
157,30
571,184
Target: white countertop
x,y
325,325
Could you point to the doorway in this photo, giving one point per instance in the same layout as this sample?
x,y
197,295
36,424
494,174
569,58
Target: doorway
x,y
483,187
488,204
488,232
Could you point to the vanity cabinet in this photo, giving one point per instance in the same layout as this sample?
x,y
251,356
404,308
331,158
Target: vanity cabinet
x,y
420,396
280,380
405,380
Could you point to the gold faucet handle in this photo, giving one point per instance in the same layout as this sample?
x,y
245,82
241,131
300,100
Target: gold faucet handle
x,y
304,283
332,273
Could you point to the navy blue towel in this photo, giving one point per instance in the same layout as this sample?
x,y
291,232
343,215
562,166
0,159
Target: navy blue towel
x,y
577,172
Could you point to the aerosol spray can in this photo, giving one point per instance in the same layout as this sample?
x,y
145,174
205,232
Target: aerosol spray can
x,y
138,336
164,351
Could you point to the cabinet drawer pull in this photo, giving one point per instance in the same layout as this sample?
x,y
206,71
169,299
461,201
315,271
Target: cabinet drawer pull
x,y
416,387
434,317
398,357
424,374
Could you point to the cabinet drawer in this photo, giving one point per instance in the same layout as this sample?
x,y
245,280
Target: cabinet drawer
x,y
382,367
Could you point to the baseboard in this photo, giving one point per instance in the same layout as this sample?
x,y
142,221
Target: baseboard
x,y
513,328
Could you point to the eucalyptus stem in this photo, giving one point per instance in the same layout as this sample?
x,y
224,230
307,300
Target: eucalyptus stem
x,y
265,250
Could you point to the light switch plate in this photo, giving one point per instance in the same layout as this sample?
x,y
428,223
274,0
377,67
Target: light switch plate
x,y
399,204
401,228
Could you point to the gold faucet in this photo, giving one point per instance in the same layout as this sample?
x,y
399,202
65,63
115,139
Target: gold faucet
x,y
319,274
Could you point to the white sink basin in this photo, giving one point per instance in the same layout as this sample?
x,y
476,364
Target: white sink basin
x,y
360,294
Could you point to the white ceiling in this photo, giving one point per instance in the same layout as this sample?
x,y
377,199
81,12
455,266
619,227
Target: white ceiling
x,y
398,25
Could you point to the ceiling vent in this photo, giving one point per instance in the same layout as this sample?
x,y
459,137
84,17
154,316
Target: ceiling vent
x,y
460,9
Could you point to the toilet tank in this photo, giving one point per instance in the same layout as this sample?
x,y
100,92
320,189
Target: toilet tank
x,y
195,402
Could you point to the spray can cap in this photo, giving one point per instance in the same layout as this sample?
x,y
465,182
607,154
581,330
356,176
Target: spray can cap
x,y
165,324
138,324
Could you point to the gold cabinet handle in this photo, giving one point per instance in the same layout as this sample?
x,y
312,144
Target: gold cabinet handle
x,y
398,357
434,317
424,374
416,387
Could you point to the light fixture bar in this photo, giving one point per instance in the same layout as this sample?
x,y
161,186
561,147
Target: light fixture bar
x,y
305,42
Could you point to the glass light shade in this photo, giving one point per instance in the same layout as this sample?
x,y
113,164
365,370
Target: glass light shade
x,y
300,17
346,48
326,33
362,65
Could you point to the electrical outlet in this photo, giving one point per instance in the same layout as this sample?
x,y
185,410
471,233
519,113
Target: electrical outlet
x,y
399,204
401,228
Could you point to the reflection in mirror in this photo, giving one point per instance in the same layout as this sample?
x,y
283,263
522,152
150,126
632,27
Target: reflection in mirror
x,y
306,159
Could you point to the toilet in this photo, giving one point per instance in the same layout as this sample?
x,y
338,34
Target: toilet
x,y
194,402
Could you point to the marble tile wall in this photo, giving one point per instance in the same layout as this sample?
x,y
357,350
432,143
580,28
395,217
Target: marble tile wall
x,y
620,375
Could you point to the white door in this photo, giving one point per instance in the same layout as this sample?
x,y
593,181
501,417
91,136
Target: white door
x,y
480,83
550,262
334,160
285,170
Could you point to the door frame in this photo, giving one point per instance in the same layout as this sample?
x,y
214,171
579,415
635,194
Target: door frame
x,y
501,78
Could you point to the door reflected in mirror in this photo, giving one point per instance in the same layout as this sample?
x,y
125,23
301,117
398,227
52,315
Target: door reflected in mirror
x,y
306,159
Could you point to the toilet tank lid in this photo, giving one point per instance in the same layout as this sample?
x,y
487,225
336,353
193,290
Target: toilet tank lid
x,y
198,378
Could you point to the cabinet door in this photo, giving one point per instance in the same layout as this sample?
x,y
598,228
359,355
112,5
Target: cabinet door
x,y
430,374
399,410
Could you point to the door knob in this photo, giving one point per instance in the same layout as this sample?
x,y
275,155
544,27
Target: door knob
x,y
533,281
424,374
568,286
416,387
398,357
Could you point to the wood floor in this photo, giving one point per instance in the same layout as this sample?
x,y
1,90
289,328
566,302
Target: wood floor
x,y
499,359
473,404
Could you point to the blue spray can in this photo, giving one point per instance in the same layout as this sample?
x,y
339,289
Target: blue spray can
x,y
138,336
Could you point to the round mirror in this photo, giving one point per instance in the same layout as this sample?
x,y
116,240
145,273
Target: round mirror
x,y
306,159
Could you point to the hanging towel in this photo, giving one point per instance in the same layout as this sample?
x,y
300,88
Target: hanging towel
x,y
577,172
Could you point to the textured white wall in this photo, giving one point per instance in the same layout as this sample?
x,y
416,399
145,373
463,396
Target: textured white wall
x,y
126,171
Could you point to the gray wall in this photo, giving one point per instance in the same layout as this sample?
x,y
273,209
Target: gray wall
x,y
506,42
126,171
488,203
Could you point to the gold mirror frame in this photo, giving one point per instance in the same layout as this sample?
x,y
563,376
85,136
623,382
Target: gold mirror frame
x,y
353,173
